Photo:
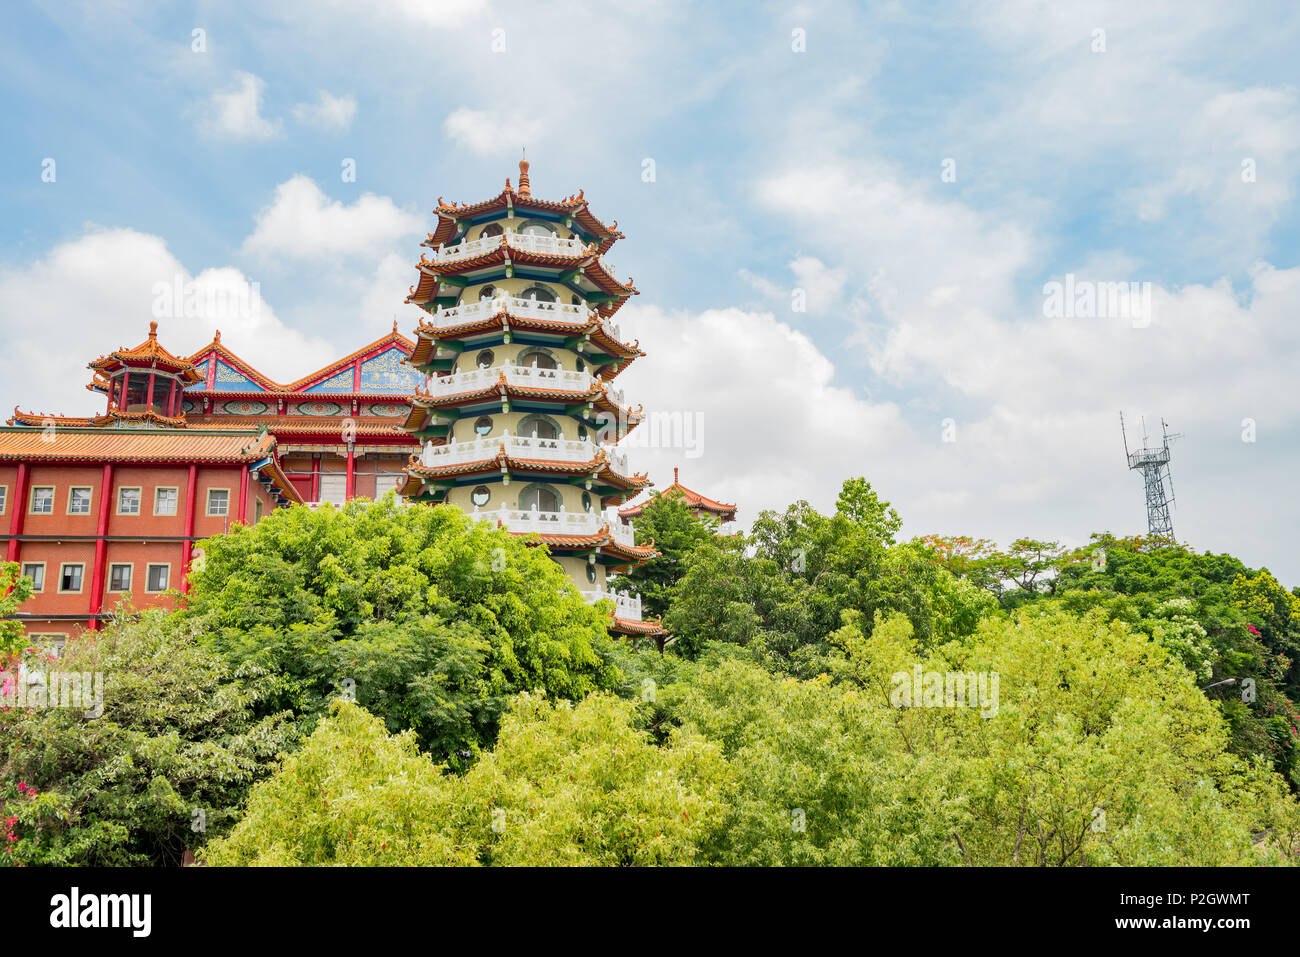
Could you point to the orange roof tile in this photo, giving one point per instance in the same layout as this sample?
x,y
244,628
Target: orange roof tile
x,y
147,353
133,445
691,499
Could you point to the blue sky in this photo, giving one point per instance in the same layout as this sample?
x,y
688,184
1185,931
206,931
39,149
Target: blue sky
x,y
1116,157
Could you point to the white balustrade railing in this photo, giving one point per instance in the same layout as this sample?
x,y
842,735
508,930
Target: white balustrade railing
x,y
516,446
625,606
458,453
527,377
543,245
544,523
468,381
546,245
623,534
618,462
467,312
531,376
550,450
578,315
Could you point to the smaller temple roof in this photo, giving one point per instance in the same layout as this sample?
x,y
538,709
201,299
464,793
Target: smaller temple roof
x,y
148,354
692,500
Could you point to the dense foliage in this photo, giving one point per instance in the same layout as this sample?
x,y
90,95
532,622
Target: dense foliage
x,y
166,764
425,618
388,685
1219,618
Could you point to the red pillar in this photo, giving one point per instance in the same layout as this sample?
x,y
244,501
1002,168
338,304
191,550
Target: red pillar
x,y
148,394
243,494
315,478
101,547
187,546
126,387
171,401
18,513
352,473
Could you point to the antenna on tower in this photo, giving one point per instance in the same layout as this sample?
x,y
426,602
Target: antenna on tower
x,y
1153,463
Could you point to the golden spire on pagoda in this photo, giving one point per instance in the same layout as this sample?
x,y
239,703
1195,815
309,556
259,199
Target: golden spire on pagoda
x,y
524,188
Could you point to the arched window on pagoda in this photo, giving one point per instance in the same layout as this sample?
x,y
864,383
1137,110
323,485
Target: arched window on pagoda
x,y
491,229
538,359
541,498
538,426
536,227
487,292
539,293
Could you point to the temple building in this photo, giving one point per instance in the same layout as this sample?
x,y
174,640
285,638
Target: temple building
x,y
110,506
338,428
520,417
701,506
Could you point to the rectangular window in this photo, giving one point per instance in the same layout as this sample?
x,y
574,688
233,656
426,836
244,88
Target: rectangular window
x,y
158,577
36,572
119,578
43,500
164,501
257,511
70,577
218,501
50,643
79,501
128,500
334,487
4,498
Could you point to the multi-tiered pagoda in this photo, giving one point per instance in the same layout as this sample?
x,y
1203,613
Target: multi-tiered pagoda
x,y
520,416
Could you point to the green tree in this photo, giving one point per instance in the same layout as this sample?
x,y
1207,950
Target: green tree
x,y
353,795
675,532
581,785
429,619
14,590
166,765
564,785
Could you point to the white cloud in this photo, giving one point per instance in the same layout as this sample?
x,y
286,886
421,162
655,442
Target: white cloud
x,y
491,132
331,113
236,113
303,223
118,271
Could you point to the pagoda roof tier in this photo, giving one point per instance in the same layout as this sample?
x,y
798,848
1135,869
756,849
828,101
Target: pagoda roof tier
x,y
383,374
572,208
113,418
498,257
525,386
690,498
523,318
463,463
636,629
147,355
73,445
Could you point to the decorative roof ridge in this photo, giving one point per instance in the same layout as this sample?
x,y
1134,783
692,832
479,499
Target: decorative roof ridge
x,y
240,364
334,367
150,350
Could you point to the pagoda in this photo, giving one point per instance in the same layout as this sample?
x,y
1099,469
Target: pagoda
x,y
520,416
699,505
